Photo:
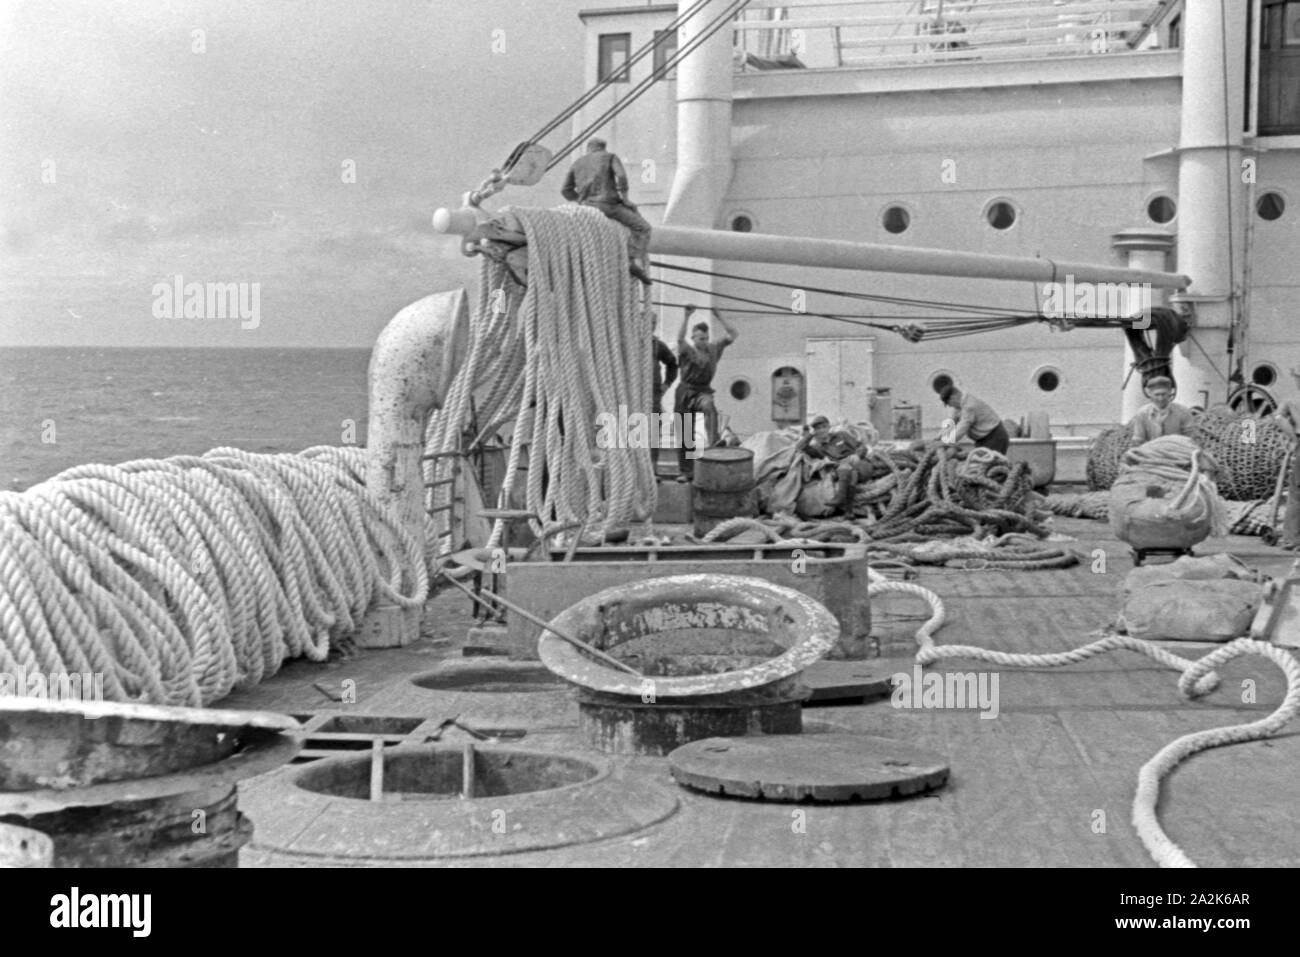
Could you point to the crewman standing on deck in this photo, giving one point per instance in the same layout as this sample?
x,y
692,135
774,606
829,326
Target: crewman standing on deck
x,y
698,361
976,419
598,179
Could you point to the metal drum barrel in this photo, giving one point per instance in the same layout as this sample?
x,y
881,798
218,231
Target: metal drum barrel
x,y
723,487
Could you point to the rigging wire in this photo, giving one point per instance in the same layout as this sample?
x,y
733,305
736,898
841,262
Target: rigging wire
x,y
717,23
934,322
847,294
947,329
641,53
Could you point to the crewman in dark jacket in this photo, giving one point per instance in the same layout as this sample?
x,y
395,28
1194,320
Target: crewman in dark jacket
x,y
598,179
662,378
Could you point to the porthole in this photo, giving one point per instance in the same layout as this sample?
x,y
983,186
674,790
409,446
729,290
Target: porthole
x,y
742,223
1264,374
1000,214
1161,209
1048,379
740,389
896,219
1270,206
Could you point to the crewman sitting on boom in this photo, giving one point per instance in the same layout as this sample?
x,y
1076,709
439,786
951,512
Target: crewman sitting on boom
x,y
599,179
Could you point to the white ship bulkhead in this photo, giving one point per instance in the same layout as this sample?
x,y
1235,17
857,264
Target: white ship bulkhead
x,y
1086,150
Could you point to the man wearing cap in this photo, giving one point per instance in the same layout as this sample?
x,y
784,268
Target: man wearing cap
x,y
976,419
598,179
1162,416
838,447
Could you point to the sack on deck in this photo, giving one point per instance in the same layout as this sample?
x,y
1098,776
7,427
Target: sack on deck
x,y
778,492
1189,568
819,495
1145,518
1191,610
1164,497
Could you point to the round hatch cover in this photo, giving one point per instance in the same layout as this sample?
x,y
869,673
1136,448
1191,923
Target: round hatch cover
x,y
797,767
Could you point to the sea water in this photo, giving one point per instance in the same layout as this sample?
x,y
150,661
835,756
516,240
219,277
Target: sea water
x,y
61,407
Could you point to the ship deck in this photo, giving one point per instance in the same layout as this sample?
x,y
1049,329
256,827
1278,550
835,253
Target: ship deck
x,y
1048,783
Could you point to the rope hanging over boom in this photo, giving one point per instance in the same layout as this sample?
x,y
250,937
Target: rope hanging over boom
x,y
554,357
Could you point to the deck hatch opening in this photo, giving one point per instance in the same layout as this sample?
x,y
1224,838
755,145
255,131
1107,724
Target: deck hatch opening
x,y
369,724
490,679
438,774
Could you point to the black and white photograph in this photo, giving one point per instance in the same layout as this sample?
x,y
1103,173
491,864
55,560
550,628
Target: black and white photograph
x,y
620,434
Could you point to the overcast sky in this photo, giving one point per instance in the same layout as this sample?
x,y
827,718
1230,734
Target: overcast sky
x,y
128,156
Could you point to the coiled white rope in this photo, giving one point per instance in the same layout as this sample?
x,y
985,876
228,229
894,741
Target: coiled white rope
x,y
184,578
574,345
1197,678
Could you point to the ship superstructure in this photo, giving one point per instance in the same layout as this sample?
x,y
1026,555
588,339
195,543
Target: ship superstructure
x,y
1152,135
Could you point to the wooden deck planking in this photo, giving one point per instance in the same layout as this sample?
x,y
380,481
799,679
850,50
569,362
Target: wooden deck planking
x,y
1068,742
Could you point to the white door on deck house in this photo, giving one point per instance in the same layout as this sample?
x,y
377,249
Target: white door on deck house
x,y
839,373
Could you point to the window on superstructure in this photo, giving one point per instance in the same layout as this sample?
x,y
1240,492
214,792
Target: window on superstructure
x,y
1176,32
1278,109
1048,379
1270,206
1001,214
895,219
613,50
1264,374
665,48
1161,209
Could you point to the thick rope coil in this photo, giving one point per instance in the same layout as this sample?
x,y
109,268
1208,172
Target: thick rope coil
x,y
1196,679
553,357
182,579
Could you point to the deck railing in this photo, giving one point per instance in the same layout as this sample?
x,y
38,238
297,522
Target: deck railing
x,y
869,33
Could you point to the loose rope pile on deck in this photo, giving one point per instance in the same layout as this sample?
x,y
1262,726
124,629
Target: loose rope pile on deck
x,y
554,357
944,491
937,506
181,579
1014,550
1196,679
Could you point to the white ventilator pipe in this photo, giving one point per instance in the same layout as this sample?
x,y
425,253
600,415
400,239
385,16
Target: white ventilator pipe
x,y
1211,189
870,257
1146,248
413,363
704,163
